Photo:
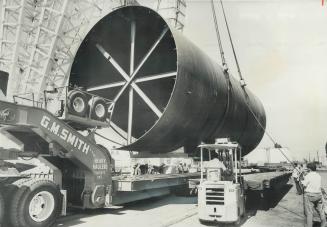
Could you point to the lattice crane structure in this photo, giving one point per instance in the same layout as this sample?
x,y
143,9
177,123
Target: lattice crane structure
x,y
39,38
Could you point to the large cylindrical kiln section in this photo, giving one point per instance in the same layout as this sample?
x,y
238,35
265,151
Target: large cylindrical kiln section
x,y
168,92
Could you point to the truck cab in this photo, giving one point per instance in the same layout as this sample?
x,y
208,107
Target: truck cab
x,y
221,191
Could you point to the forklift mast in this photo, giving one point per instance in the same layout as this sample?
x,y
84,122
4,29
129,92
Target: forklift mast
x,y
227,154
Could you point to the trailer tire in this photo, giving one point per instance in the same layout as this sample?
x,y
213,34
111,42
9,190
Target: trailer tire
x,y
98,109
77,103
7,190
37,203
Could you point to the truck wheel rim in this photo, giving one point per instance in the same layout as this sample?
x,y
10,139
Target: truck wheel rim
x,y
100,110
78,104
41,206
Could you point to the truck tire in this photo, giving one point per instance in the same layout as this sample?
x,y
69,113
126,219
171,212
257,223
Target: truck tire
x,y
77,103
37,203
8,192
98,108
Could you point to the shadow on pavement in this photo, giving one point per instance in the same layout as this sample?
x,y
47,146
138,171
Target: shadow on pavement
x,y
267,199
261,200
255,201
75,215
159,201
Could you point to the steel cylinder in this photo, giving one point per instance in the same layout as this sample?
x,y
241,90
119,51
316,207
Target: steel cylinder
x,y
178,95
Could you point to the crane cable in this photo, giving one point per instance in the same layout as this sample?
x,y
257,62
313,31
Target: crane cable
x,y
232,45
221,50
242,81
243,84
224,64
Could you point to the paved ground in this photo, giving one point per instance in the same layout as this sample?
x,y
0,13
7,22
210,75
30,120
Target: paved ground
x,y
164,211
285,210
288,212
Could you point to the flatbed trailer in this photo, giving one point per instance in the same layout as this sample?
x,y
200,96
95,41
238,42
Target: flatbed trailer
x,y
133,188
257,181
150,181
268,180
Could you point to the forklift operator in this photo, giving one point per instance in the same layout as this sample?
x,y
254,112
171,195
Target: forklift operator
x,y
226,172
221,165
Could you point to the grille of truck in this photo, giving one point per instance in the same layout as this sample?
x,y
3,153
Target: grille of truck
x,y
215,196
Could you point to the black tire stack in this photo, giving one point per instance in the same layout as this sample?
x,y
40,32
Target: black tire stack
x,y
19,196
95,103
90,105
71,99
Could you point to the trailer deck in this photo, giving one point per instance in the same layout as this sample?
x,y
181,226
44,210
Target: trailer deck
x,y
257,181
267,180
132,188
150,181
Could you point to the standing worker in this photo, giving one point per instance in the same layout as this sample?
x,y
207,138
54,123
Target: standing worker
x,y
313,195
296,178
180,168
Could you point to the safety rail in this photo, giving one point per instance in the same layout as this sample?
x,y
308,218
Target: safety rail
x,y
85,109
27,99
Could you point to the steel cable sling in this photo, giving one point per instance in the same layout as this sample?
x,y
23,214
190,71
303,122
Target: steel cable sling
x,y
243,84
242,81
224,64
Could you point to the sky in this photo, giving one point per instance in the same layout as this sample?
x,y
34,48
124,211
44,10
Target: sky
x,y
282,50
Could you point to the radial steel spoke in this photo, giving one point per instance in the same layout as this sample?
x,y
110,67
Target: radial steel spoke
x,y
112,61
140,80
118,68
150,52
137,90
155,77
131,93
130,79
130,115
117,129
111,85
146,99
131,66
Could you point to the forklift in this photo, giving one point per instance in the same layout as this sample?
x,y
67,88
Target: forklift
x,y
221,192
